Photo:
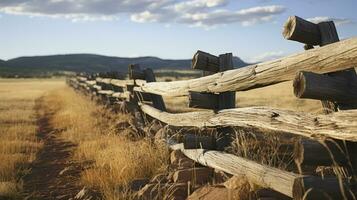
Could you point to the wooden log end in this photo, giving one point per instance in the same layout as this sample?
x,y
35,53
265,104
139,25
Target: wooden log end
x,y
300,30
205,61
299,84
289,27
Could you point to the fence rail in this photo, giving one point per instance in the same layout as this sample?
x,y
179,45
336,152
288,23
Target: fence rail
x,y
325,73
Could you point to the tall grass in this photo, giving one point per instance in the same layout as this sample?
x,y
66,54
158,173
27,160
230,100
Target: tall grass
x,y
116,160
18,129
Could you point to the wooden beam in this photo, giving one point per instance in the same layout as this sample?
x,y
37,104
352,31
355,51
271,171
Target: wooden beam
x,y
203,100
259,174
312,188
194,141
341,89
323,153
157,100
340,125
226,99
135,72
300,30
330,58
121,83
205,61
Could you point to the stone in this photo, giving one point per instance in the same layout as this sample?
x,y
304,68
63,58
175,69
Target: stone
x,y
137,184
236,182
220,176
177,191
199,176
214,193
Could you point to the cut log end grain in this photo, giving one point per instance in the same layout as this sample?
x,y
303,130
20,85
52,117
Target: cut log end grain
x,y
300,30
299,84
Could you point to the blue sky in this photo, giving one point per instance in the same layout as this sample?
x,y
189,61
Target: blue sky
x,y
250,29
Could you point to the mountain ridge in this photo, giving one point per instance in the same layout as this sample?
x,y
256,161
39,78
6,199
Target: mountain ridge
x,y
91,63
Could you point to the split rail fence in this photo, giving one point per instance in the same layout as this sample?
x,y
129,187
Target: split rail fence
x,y
324,73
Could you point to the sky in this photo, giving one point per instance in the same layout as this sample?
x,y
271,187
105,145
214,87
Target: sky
x,y
171,29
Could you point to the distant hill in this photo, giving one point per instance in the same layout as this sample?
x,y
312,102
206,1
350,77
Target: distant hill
x,y
42,65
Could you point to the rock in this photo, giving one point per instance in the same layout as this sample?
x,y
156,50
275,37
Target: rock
x,y
177,191
220,176
236,182
194,175
211,193
265,193
137,184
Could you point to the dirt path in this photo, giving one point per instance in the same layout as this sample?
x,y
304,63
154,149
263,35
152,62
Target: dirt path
x,y
53,174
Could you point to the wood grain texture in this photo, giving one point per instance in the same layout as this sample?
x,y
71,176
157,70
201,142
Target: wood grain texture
x,y
341,125
262,175
330,58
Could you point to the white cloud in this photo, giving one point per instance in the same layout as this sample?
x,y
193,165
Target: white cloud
x,y
338,21
145,16
201,13
267,56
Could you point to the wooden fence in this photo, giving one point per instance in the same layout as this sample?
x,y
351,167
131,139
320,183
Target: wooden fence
x,y
325,73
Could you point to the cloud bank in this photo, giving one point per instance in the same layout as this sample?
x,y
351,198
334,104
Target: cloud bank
x,y
202,13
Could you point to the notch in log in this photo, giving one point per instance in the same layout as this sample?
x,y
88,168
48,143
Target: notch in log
x,y
193,141
203,100
342,89
312,188
135,72
205,61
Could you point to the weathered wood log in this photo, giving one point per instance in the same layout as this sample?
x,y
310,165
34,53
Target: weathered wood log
x,y
121,83
328,35
203,100
219,101
135,72
121,95
205,61
312,188
340,125
194,141
330,58
300,30
323,87
157,100
320,153
259,174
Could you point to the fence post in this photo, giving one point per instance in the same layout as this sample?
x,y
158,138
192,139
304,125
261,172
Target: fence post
x,y
211,64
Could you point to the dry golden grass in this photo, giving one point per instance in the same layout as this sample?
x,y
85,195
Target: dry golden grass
x,y
117,160
18,141
277,96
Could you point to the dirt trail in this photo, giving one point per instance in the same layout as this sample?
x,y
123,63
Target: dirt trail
x,y
53,174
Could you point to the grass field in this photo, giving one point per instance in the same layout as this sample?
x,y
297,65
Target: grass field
x,y
109,159
18,128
